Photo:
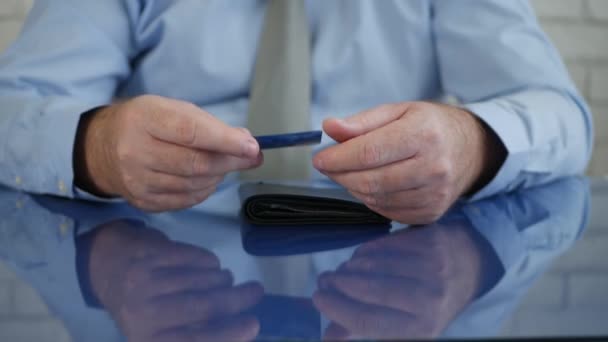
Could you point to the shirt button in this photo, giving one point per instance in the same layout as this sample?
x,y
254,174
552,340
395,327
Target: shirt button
x,y
62,187
18,180
64,229
19,204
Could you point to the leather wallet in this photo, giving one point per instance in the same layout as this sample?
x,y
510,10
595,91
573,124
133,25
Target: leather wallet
x,y
279,205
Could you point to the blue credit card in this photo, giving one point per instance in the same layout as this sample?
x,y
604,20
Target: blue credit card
x,y
289,139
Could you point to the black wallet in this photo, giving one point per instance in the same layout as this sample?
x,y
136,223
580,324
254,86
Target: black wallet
x,y
270,204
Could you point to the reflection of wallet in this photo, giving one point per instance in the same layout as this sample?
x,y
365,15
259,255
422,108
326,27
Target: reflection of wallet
x,y
294,240
273,204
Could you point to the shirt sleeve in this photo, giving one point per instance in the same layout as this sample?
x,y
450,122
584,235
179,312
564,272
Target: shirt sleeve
x,y
69,58
495,59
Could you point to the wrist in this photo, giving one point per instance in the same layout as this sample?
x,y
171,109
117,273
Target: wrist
x,y
490,154
89,156
114,247
493,155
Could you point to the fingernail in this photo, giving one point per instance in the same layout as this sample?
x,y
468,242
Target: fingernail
x,y
245,130
345,122
259,160
318,164
251,148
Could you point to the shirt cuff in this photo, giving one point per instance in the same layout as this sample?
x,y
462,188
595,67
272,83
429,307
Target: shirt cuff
x,y
83,195
41,159
511,130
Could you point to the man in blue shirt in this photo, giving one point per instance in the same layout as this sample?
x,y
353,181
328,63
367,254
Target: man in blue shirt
x,y
143,99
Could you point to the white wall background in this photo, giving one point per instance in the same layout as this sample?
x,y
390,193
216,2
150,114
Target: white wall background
x,y
580,30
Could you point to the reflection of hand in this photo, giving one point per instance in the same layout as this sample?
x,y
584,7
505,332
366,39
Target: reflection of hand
x,y
407,285
159,290
410,161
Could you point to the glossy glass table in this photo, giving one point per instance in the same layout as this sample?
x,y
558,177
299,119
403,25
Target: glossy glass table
x,y
532,263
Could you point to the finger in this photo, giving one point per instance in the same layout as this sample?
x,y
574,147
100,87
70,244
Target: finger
x,y
335,332
396,177
391,143
188,162
169,202
177,254
360,319
240,328
160,183
411,241
399,293
420,216
192,307
415,198
408,265
363,122
172,281
187,125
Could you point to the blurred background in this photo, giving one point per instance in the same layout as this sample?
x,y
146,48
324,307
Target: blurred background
x,y
579,28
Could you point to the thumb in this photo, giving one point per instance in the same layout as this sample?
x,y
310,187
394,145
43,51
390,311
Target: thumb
x,y
342,130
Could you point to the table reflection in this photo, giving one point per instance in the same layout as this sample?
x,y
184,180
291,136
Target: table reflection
x,y
111,273
411,283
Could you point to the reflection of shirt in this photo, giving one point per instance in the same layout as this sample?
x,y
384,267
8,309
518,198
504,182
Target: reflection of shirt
x,y
526,230
491,55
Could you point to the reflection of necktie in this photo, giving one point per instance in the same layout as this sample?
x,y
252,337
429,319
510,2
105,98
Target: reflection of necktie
x,y
280,91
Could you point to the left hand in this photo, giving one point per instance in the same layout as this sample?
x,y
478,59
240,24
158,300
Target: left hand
x,y
410,161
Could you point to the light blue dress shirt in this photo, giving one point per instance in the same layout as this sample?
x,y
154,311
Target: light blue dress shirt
x,y
491,55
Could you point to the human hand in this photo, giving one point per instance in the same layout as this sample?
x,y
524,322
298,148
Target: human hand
x,y
408,285
410,161
158,290
158,153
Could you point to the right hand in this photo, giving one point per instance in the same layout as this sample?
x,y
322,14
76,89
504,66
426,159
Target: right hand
x,y
160,154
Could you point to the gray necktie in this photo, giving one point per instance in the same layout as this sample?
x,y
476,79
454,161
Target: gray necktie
x,y
280,92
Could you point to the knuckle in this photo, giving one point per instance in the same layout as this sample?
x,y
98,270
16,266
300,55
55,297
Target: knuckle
x,y
142,204
434,215
372,201
134,277
418,106
439,267
123,153
438,294
432,136
186,130
132,187
137,202
370,154
428,216
443,194
198,164
371,184
146,98
442,171
201,196
179,185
